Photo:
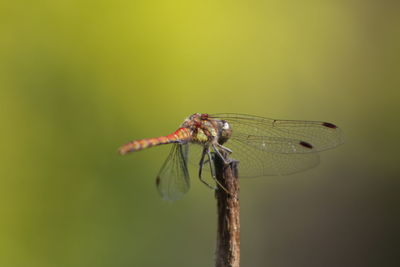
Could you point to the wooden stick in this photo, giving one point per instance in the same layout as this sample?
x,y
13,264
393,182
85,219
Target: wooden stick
x,y
228,231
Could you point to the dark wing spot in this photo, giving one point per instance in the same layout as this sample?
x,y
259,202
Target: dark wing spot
x,y
158,180
329,125
305,144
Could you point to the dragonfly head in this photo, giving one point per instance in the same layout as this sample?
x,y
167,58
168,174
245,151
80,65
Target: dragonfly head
x,y
225,132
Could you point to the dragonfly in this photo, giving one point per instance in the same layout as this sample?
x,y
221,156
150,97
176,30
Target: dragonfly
x,y
263,146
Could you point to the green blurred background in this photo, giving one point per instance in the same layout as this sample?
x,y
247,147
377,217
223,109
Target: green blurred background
x,y
80,78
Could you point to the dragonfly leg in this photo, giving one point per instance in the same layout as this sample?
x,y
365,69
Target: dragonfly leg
x,y
210,161
225,148
226,160
205,152
213,173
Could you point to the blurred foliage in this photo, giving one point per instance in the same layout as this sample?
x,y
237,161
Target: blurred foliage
x,y
80,78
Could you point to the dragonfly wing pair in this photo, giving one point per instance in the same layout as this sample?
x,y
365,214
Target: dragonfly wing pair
x,y
262,146
277,147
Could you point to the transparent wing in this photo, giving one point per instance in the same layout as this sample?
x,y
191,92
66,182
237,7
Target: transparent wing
x,y
173,180
270,144
283,136
194,156
255,162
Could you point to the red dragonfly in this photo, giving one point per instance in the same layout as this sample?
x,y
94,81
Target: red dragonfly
x,y
262,146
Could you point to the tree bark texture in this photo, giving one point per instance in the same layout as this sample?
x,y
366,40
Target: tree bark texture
x,y
228,230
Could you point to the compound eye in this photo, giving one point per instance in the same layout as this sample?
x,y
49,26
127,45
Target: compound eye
x,y
226,126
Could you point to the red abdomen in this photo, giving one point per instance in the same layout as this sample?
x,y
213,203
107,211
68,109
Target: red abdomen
x,y
182,134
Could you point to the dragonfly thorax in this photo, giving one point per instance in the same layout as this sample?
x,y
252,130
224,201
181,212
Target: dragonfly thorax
x,y
207,130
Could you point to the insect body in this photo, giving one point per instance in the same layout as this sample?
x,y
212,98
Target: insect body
x,y
263,146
